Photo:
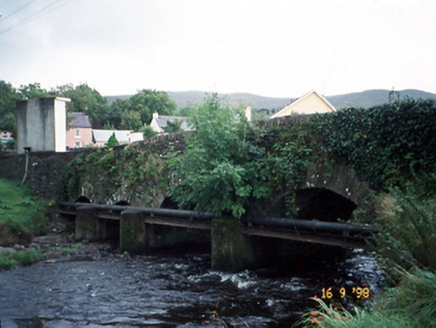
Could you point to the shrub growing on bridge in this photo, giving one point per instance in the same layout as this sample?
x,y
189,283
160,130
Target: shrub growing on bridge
x,y
386,144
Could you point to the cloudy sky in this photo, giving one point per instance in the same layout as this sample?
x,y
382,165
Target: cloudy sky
x,y
270,48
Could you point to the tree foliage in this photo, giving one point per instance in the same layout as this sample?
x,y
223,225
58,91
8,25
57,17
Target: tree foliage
x,y
8,98
130,114
173,126
130,120
112,141
85,99
148,131
216,173
145,102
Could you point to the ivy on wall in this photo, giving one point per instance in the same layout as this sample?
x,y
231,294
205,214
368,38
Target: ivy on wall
x,y
111,174
387,144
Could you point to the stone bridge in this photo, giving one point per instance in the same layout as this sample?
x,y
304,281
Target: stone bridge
x,y
325,193
331,189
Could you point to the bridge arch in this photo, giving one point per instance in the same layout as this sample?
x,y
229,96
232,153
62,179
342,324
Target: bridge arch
x,y
340,179
323,204
82,199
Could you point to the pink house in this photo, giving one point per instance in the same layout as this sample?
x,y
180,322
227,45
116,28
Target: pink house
x,y
80,132
5,139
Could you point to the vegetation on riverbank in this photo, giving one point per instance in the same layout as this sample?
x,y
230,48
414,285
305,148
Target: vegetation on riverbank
x,y
9,259
392,147
21,216
20,210
411,304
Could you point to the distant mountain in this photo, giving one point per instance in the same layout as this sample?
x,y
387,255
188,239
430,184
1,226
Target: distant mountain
x,y
371,98
360,99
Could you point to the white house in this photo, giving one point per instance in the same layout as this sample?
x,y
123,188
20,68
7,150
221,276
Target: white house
x,y
159,122
310,103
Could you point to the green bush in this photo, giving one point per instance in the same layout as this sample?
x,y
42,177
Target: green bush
x,y
20,209
27,257
218,170
9,259
112,141
148,132
406,220
412,304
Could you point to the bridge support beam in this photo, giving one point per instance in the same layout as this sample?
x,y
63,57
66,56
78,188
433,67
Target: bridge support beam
x,y
87,226
132,232
231,250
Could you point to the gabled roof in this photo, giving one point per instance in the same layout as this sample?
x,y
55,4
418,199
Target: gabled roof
x,y
79,120
289,108
159,122
104,135
163,121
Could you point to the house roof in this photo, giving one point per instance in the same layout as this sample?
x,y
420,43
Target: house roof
x,y
163,121
288,108
104,135
159,122
79,120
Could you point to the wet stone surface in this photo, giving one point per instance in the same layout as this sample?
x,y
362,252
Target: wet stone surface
x,y
93,287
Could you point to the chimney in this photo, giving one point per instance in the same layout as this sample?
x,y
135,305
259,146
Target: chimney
x,y
248,113
155,115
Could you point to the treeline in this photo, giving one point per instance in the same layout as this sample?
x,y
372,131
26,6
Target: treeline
x,y
129,114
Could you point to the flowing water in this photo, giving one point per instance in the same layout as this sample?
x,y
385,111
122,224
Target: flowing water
x,y
167,290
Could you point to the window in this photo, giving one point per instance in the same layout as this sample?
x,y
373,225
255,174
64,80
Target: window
x,y
77,133
77,144
5,135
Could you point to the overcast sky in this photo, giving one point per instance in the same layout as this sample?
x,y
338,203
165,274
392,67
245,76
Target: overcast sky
x,y
270,48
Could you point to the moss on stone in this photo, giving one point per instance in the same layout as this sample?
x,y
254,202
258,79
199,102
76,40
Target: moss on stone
x,y
132,232
231,250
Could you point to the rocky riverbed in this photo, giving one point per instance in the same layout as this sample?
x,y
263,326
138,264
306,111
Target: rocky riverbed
x,y
91,284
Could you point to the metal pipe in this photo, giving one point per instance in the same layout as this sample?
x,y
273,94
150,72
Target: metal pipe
x,y
294,224
149,211
312,225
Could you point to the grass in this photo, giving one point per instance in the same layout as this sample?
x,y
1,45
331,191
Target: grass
x,y
9,259
412,304
21,210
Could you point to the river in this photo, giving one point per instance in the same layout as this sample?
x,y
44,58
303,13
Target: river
x,y
175,289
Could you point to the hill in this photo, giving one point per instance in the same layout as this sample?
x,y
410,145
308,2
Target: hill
x,y
365,99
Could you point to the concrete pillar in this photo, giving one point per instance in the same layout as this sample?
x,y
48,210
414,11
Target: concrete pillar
x,y
231,250
132,232
87,226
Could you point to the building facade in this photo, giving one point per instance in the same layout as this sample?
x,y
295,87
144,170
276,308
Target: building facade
x,y
79,133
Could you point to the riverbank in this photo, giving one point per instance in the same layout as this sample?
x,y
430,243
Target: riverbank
x,y
30,233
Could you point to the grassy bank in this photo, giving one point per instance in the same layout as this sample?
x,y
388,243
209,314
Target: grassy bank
x,y
9,259
411,304
20,209
21,216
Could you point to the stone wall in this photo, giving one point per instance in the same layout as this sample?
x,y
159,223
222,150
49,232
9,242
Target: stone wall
x,y
44,170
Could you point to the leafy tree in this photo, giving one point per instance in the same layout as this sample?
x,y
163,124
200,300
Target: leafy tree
x,y
173,126
146,102
8,98
83,98
34,90
112,141
218,172
131,120
148,131
187,111
115,112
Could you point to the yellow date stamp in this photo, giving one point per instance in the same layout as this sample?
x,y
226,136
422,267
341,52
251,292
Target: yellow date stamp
x,y
361,293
